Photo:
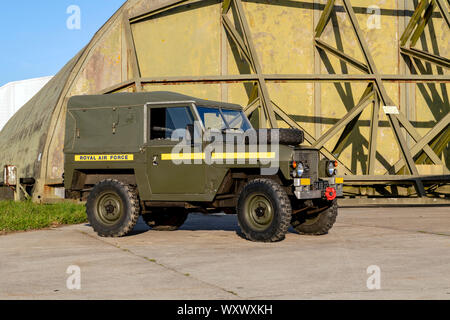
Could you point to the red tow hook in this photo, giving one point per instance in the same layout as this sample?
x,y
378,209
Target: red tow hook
x,y
330,193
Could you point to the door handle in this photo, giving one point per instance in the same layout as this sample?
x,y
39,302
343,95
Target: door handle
x,y
155,160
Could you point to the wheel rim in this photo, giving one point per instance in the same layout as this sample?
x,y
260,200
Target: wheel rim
x,y
109,208
259,211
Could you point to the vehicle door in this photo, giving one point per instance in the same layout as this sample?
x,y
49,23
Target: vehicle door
x,y
171,155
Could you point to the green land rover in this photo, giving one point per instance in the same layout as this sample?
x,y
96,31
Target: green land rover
x,y
163,155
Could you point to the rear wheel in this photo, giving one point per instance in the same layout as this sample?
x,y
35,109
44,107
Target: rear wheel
x,y
264,211
165,219
316,220
112,208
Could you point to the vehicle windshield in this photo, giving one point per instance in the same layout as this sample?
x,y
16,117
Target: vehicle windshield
x,y
223,119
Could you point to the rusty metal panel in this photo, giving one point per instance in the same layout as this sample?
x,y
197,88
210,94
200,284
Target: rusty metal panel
x,y
184,43
280,34
104,64
297,100
205,91
138,7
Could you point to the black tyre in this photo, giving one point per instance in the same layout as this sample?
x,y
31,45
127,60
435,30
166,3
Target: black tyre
x,y
317,220
292,137
264,211
165,219
112,208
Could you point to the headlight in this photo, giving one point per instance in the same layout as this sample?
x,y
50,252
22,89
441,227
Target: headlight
x,y
331,168
294,167
300,169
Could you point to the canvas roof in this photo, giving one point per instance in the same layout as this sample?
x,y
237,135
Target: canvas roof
x,y
140,98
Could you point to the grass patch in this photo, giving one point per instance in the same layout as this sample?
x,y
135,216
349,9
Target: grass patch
x,y
26,215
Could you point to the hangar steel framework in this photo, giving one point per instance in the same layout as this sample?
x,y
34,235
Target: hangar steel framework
x,y
424,148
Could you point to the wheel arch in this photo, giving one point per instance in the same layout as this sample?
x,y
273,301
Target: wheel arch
x,y
84,178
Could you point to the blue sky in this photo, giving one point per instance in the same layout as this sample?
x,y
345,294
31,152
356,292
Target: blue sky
x,y
35,40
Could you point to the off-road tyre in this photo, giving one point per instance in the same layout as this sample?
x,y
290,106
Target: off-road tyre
x,y
165,219
291,137
272,226
317,223
113,195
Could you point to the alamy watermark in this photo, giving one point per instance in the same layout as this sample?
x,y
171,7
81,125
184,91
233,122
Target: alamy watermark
x,y
226,147
73,282
374,280
73,22
374,20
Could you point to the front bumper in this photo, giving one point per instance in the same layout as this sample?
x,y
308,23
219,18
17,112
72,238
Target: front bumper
x,y
306,189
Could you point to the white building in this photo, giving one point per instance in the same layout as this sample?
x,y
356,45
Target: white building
x,y
15,94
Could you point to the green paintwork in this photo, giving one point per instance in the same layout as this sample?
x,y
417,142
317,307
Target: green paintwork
x,y
118,124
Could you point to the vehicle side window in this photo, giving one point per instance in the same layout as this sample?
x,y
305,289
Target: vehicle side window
x,y
164,121
236,119
211,117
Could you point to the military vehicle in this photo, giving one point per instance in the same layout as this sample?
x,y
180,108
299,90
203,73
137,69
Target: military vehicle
x,y
149,154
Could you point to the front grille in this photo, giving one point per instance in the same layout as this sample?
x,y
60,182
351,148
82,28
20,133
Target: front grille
x,y
310,159
321,185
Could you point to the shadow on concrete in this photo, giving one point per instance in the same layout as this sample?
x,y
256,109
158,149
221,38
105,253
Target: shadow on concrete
x,y
223,222
200,222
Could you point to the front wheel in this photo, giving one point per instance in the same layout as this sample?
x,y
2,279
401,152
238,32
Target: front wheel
x,y
112,208
264,211
316,220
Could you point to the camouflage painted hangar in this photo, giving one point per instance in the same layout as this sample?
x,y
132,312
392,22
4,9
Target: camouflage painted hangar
x,y
367,80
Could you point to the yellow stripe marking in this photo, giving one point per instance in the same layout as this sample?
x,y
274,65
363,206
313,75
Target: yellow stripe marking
x,y
244,155
217,156
182,156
